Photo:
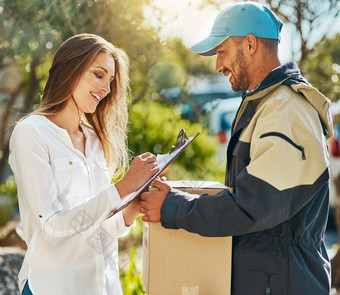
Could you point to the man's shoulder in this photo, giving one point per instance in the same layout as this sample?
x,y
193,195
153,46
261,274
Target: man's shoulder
x,y
286,104
288,96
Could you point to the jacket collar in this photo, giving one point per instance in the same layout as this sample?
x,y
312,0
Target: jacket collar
x,y
286,74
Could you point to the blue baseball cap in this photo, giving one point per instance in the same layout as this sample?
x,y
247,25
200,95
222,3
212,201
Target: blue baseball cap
x,y
240,19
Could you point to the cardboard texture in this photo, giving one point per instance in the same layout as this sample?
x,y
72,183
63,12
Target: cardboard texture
x,y
176,262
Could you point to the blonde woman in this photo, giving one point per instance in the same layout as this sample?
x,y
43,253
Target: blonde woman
x,y
63,156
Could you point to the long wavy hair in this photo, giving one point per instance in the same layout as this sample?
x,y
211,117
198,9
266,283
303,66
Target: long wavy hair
x,y
109,121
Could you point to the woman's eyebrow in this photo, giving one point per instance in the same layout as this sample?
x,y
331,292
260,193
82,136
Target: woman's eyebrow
x,y
105,70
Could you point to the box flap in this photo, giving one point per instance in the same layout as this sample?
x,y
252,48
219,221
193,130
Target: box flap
x,y
196,184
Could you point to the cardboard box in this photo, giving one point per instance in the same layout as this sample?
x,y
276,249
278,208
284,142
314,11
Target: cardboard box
x,y
176,262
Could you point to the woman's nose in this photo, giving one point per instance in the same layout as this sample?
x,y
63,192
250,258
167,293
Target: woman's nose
x,y
107,86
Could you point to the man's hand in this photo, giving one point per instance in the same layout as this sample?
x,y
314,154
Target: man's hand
x,y
151,202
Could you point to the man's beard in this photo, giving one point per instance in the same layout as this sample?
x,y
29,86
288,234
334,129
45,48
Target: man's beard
x,y
241,78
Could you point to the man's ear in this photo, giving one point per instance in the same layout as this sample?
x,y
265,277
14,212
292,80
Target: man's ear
x,y
251,44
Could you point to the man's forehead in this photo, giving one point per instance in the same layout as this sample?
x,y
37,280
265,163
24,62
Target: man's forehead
x,y
223,44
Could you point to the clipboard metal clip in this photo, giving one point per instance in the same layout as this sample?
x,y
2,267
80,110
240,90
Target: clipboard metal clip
x,y
182,138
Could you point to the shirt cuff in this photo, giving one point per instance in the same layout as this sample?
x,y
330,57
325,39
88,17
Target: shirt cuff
x,y
113,196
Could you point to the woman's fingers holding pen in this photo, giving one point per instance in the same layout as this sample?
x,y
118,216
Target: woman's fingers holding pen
x,y
147,159
147,155
142,168
150,160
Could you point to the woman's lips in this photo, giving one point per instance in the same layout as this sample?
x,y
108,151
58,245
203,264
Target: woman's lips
x,y
96,97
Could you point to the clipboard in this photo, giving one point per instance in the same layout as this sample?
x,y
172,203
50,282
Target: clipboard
x,y
164,161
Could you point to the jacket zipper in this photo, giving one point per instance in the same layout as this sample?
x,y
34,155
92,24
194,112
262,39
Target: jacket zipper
x,y
299,147
268,290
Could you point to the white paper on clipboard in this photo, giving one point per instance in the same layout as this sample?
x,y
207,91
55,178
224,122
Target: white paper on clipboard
x,y
164,161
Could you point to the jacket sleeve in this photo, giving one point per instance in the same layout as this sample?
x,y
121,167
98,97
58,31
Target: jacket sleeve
x,y
227,214
29,160
277,182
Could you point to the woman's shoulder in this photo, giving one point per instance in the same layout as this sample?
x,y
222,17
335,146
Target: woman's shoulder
x,y
32,120
29,126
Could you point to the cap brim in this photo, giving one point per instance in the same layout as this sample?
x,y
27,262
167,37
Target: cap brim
x,y
207,46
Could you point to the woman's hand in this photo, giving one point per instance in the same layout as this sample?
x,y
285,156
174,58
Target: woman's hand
x,y
131,212
142,168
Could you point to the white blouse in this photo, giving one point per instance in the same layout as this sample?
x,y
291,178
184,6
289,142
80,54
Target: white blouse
x,y
64,200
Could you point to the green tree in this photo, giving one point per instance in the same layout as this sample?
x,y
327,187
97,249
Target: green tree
x,y
167,74
323,67
132,281
31,32
307,17
163,125
192,64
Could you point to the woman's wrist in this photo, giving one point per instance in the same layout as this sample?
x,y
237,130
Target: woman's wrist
x,y
130,213
122,188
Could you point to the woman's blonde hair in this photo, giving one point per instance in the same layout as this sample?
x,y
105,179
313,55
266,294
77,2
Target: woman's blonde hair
x,y
109,121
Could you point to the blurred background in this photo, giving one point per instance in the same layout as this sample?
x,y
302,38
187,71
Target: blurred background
x,y
171,89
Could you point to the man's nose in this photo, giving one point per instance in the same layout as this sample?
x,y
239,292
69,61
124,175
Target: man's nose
x,y
219,66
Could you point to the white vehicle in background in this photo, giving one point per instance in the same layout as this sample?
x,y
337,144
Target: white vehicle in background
x,y
221,115
199,92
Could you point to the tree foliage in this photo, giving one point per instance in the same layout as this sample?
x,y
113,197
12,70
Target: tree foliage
x,y
307,18
31,31
323,67
163,125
